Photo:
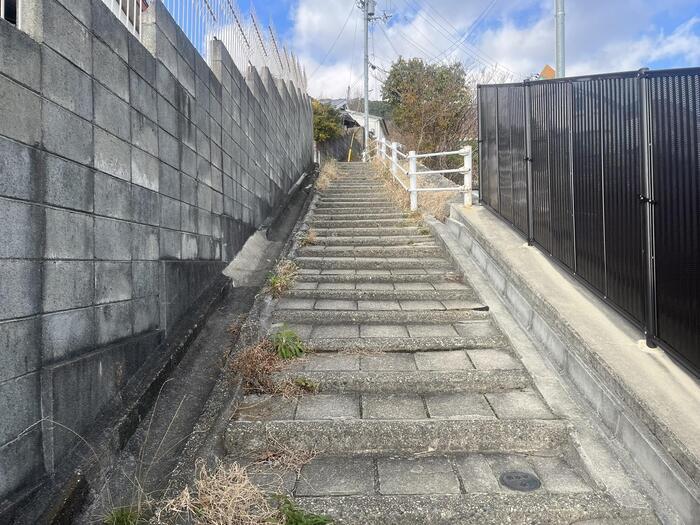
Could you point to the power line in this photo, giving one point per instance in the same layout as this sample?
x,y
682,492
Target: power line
x,y
342,29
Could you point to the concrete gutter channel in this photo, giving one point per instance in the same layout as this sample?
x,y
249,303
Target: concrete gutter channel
x,y
67,497
630,398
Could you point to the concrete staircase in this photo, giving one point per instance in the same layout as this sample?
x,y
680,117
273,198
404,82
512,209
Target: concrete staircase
x,y
422,404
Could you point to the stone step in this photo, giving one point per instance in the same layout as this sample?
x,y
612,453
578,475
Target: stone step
x,y
330,215
477,508
360,200
347,436
355,211
431,321
358,205
402,381
373,345
387,240
369,232
415,280
361,223
372,251
371,263
414,304
353,294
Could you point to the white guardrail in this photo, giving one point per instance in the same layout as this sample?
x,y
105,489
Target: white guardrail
x,y
394,160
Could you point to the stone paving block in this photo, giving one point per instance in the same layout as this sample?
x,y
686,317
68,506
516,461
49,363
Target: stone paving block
x,y
393,406
302,330
337,272
296,304
335,304
519,404
378,305
336,286
265,408
431,330
304,286
392,362
332,362
328,406
558,476
444,360
375,286
457,304
408,271
270,479
449,286
320,477
476,473
488,359
421,305
335,331
374,273
413,286
417,476
459,405
476,329
383,330
309,271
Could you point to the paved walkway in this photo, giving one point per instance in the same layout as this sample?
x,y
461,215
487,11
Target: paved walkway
x,y
424,407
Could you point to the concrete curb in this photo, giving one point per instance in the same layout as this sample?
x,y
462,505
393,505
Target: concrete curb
x,y
625,417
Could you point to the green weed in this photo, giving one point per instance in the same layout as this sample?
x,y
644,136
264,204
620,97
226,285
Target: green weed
x,y
288,344
293,515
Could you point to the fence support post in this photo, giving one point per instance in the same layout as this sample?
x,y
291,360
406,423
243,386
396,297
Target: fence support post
x,y
383,156
647,200
413,179
468,176
528,167
394,157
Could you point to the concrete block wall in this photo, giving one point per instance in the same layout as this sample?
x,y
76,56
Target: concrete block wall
x,y
130,173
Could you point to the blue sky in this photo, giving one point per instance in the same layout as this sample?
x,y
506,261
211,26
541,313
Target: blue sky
x,y
501,39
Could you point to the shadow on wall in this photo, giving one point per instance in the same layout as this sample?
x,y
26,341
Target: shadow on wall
x,y
129,176
339,148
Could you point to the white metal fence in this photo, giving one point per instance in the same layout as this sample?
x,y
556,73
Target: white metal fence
x,y
407,163
246,40
129,12
9,10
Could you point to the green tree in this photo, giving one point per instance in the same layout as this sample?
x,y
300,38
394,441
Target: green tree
x,y
431,106
326,122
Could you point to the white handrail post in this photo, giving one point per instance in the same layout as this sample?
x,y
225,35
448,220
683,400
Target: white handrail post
x,y
383,149
394,157
413,179
468,176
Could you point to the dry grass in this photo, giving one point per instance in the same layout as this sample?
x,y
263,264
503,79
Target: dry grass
x,y
255,365
234,328
282,278
434,202
307,238
223,495
285,458
329,172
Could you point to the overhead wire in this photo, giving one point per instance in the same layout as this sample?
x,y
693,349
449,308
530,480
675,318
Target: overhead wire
x,y
330,50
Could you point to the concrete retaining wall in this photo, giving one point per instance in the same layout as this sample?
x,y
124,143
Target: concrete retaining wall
x,y
129,174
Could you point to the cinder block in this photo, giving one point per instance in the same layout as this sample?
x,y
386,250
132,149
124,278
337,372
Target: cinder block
x,y
142,95
66,134
81,9
110,69
142,62
185,74
112,281
20,347
109,30
19,404
67,284
144,169
205,247
67,35
165,83
170,244
169,149
21,113
18,165
165,51
169,182
203,196
189,246
20,58
146,205
113,321
167,116
112,240
68,184
112,155
69,235
66,84
188,217
67,334
188,160
144,133
169,213
203,143
21,229
20,294
203,222
144,242
112,196
111,112
30,470
145,276
188,189
146,314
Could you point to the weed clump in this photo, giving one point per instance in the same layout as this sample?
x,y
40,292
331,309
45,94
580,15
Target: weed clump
x,y
282,279
255,365
329,172
288,344
307,238
293,515
123,516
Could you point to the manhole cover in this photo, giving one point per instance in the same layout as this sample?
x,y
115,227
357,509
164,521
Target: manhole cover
x,y
521,481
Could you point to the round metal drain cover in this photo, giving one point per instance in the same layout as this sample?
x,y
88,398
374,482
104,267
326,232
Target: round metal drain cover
x,y
521,481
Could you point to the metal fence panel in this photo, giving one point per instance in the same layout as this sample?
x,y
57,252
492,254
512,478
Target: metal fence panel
x,y
505,154
675,131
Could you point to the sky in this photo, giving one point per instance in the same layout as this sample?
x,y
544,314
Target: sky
x,y
497,40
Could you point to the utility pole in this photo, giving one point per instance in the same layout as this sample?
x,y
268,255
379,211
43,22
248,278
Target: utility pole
x,y
560,58
368,11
